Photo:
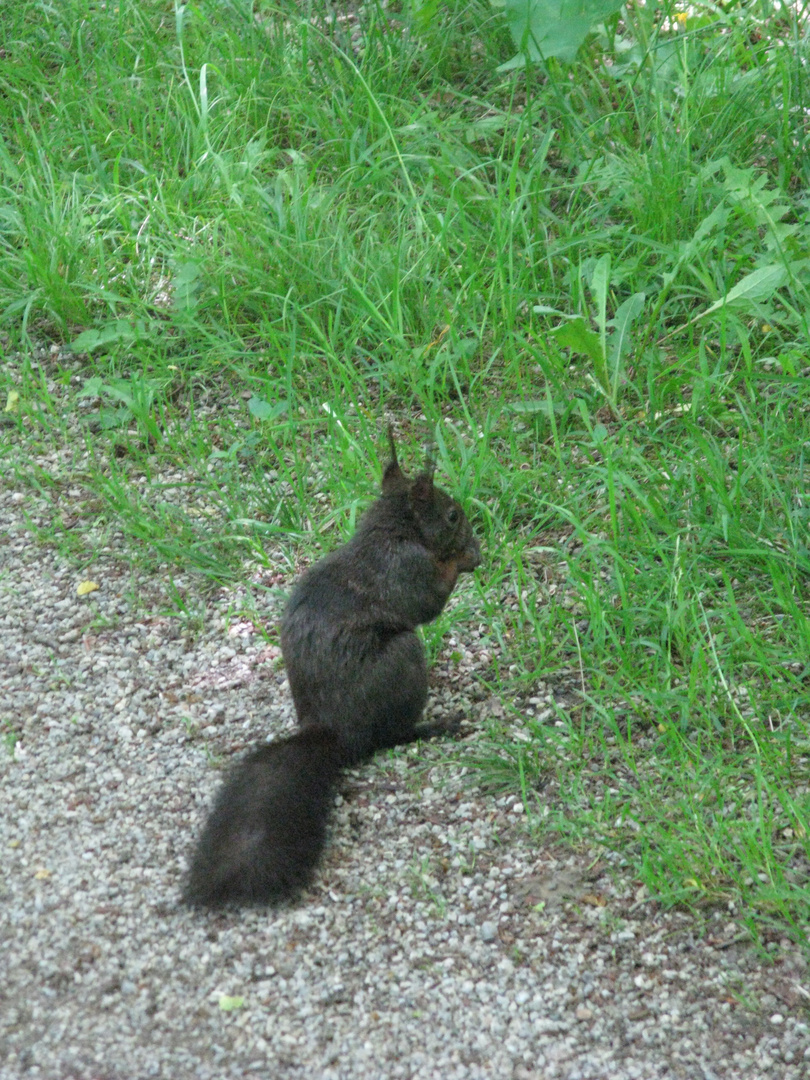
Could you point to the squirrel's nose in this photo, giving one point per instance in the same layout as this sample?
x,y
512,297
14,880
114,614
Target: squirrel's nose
x,y
472,555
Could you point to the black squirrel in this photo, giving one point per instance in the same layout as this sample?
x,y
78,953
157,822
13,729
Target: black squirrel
x,y
358,677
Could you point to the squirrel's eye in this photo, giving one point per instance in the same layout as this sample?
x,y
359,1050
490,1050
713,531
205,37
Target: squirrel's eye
x,y
452,515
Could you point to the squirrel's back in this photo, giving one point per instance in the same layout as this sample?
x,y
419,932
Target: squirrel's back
x,y
347,635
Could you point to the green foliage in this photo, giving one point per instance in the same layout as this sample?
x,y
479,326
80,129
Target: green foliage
x,y
548,29
264,231
133,399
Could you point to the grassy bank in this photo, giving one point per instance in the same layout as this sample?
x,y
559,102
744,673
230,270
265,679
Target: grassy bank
x,y
264,232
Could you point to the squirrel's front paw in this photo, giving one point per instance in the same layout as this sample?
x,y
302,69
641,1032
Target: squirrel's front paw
x,y
451,725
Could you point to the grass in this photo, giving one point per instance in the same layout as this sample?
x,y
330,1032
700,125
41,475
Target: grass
x,y
265,230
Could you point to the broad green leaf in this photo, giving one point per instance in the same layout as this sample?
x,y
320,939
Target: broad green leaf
x,y
424,13
755,287
578,336
626,315
111,418
600,281
544,28
186,282
266,410
117,330
92,387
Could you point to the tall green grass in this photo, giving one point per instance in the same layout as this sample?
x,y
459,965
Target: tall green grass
x,y
264,229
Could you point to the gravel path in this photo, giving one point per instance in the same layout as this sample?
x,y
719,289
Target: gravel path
x,y
437,941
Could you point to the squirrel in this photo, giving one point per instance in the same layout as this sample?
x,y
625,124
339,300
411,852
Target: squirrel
x,y
358,676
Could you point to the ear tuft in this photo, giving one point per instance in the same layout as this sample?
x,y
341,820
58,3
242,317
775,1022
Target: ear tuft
x,y
422,487
394,479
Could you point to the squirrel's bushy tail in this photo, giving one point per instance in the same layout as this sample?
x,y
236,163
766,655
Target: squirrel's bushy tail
x,y
265,834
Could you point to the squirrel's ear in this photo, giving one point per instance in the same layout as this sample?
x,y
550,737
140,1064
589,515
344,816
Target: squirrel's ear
x,y
422,487
394,479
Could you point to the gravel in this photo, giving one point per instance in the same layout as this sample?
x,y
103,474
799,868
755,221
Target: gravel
x,y
438,941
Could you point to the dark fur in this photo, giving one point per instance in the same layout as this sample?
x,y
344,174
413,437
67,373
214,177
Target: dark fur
x,y
358,677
